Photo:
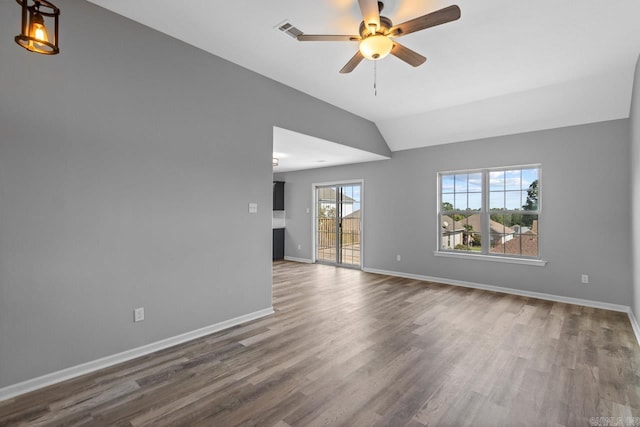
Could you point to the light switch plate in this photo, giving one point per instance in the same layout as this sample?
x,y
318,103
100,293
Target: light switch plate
x,y
138,314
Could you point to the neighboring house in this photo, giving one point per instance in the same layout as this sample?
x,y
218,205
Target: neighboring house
x,y
524,244
452,232
499,233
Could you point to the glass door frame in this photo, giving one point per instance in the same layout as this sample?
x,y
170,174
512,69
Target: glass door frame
x,y
314,219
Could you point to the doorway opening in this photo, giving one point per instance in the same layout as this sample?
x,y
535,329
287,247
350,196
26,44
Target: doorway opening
x,y
338,224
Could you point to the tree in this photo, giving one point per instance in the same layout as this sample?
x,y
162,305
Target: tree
x,y
531,204
326,212
447,207
468,228
532,197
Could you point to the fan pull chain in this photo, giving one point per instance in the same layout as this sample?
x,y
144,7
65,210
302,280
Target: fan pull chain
x,y
375,78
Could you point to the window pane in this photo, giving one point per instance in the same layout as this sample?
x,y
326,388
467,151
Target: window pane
x,y
496,200
520,238
447,202
528,176
521,245
512,180
513,201
496,181
475,201
475,182
447,183
461,201
461,183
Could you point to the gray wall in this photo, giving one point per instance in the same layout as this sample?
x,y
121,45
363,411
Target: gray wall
x,y
585,227
126,166
635,188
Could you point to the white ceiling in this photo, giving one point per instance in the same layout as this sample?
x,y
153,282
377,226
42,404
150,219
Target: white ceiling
x,y
296,151
506,66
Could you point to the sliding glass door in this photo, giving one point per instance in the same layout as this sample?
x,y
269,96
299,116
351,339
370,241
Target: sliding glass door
x,y
339,224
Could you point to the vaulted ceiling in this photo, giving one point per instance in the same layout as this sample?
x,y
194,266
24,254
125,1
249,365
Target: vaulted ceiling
x,y
505,67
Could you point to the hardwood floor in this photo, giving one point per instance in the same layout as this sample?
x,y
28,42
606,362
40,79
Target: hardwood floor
x,y
357,349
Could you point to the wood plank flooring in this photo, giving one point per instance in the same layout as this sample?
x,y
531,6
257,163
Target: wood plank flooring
x,y
350,348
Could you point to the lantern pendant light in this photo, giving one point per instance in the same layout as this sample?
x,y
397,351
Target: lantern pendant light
x,y
34,35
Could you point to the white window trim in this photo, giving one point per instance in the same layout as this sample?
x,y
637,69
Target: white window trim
x,y
494,258
485,213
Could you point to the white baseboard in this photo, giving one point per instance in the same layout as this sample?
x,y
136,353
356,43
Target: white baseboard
x,y
304,260
539,295
85,368
634,325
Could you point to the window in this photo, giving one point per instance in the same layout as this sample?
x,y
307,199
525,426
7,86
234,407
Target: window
x,y
492,212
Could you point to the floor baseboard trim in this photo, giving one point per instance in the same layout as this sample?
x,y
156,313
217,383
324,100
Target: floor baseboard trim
x,y
304,260
85,368
634,325
539,295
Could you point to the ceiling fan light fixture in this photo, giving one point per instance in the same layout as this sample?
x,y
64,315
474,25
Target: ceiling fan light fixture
x,y
376,47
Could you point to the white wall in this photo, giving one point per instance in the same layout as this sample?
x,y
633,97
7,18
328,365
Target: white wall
x,y
127,164
635,189
585,227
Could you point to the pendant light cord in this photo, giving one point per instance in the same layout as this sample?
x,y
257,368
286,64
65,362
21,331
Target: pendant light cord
x,y
375,78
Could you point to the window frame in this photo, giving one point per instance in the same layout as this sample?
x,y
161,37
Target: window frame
x,y
485,215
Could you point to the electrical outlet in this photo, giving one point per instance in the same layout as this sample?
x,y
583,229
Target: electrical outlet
x,y
138,314
584,278
397,257
299,247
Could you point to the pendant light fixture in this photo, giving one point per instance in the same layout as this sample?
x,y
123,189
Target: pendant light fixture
x,y
34,35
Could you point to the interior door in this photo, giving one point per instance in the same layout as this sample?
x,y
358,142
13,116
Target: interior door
x,y
339,224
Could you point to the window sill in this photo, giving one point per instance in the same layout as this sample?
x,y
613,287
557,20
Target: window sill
x,y
480,257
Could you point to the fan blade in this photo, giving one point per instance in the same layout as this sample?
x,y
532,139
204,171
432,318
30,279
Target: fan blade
x,y
370,13
407,55
438,17
352,64
327,38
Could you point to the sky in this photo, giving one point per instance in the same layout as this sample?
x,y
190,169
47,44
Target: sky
x,y
507,189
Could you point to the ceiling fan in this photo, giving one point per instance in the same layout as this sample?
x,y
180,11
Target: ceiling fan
x,y
377,33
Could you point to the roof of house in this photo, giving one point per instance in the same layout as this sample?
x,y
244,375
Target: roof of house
x,y
475,221
526,244
450,225
354,214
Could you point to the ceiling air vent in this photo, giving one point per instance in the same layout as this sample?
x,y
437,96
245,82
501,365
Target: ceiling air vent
x,y
288,28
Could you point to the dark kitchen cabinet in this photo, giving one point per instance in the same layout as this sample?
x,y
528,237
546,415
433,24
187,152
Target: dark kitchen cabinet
x,y
278,243
278,196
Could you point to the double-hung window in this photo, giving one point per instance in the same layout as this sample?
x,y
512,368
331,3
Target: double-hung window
x,y
492,212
